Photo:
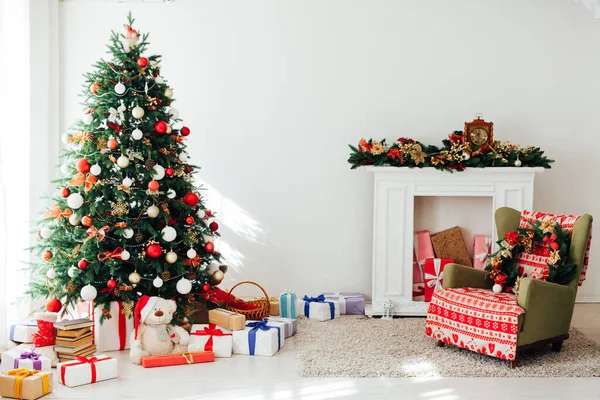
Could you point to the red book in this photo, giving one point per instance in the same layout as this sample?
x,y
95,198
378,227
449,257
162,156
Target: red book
x,y
434,275
178,359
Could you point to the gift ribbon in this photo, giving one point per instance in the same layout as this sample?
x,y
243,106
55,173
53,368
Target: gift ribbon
x,y
54,211
81,180
210,330
482,256
188,360
29,355
122,326
116,253
318,299
80,137
262,325
112,117
435,280
22,373
82,360
93,232
287,302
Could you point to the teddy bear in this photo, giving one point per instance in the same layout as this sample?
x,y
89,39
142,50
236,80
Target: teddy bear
x,y
153,332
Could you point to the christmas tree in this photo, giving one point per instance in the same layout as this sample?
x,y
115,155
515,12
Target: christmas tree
x,y
126,219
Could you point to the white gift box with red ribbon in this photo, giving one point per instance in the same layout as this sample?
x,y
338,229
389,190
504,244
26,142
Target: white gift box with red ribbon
x,y
210,337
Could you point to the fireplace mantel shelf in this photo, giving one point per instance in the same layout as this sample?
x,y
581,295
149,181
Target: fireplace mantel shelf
x,y
393,224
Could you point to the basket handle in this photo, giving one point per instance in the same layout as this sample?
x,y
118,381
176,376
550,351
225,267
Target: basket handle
x,y
226,303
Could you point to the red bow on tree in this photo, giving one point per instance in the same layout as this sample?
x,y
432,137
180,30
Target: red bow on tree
x,y
550,240
511,237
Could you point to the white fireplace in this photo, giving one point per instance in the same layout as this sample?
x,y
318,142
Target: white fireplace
x,y
393,219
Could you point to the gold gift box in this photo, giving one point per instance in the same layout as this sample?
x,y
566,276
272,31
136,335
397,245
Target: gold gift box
x,y
451,244
227,319
25,384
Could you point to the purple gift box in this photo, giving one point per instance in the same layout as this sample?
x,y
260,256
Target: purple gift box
x,y
351,303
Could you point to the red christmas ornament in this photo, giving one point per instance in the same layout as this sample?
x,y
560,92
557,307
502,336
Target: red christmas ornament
x,y
154,250
47,255
82,264
172,221
112,143
94,87
191,199
83,165
142,62
206,287
209,247
185,131
53,305
153,185
111,284
213,226
86,220
160,127
189,220
65,192
169,172
188,169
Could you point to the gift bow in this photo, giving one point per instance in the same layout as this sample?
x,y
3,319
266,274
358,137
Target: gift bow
x,y
80,137
482,256
131,33
93,232
54,211
210,330
116,253
82,360
319,299
435,280
256,325
30,355
113,113
22,373
80,180
132,155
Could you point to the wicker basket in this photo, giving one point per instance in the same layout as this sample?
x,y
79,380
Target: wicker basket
x,y
257,314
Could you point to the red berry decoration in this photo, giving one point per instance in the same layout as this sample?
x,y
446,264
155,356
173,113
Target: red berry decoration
x,y
172,221
153,185
111,284
185,131
65,192
160,127
154,250
189,220
213,226
112,143
47,255
83,165
209,247
82,264
206,287
169,172
53,305
191,199
142,62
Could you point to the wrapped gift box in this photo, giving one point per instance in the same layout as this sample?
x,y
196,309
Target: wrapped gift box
x,y
209,337
351,303
418,292
227,319
46,351
178,359
417,271
19,358
256,340
287,304
25,384
434,275
423,249
22,332
451,244
318,308
114,333
272,324
85,370
481,249
291,325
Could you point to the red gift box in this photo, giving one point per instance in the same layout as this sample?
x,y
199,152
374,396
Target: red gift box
x,y
178,359
423,249
434,275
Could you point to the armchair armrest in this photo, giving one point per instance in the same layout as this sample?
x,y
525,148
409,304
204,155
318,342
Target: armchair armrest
x,y
548,310
459,276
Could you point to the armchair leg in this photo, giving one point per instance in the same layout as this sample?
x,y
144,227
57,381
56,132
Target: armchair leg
x,y
515,363
439,343
556,346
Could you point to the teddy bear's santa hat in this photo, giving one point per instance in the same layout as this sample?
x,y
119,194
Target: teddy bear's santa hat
x,y
144,305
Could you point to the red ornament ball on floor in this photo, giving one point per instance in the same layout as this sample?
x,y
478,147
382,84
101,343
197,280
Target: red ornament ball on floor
x,y
142,62
83,165
169,172
213,226
206,287
160,127
191,199
82,264
154,250
153,185
185,131
112,143
111,284
189,220
53,305
65,192
209,247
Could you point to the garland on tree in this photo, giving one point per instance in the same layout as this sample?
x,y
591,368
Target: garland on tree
x,y
454,155
503,270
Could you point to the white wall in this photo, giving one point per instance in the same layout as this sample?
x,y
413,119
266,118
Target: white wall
x,y
274,90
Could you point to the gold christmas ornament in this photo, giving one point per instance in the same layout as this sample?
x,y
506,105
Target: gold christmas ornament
x,y
119,208
134,278
218,276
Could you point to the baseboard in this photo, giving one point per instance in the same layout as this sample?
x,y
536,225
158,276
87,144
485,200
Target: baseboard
x,y
587,299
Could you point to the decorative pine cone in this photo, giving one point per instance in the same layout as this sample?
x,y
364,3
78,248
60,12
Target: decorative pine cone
x,y
150,164
192,276
139,237
223,268
165,276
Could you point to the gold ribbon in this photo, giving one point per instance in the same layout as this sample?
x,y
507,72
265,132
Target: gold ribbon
x,y
80,137
188,360
22,373
80,180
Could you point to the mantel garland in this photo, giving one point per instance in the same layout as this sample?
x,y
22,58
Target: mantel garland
x,y
453,156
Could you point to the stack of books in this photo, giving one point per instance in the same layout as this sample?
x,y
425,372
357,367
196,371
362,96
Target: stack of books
x,y
74,338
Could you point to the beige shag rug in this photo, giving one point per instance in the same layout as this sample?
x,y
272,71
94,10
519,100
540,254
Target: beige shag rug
x,y
363,347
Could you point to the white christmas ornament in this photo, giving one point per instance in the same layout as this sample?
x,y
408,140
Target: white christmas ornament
x,y
137,112
73,271
213,266
183,156
168,233
191,253
497,288
201,214
95,170
466,156
45,232
174,113
87,119
171,194
128,233
51,273
518,163
168,93
64,169
159,79
184,286
137,134
65,138
157,282
75,200
74,220
159,172
127,182
171,257
125,255
120,88
153,211
88,293
123,162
